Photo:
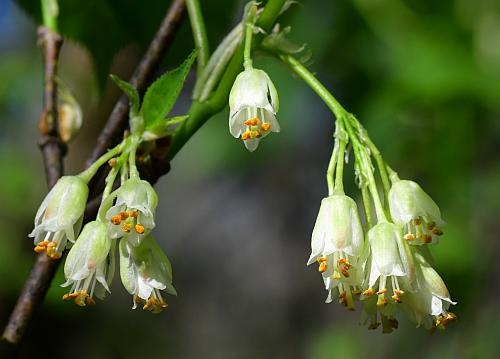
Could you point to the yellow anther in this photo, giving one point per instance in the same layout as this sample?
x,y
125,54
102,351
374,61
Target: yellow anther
x,y
382,300
43,244
123,215
368,292
430,225
399,291
245,135
116,220
322,267
322,259
56,255
255,134
345,262
396,298
139,228
51,245
427,238
344,270
66,297
437,231
133,214
265,126
126,227
39,249
90,301
450,317
252,122
382,291
112,162
409,236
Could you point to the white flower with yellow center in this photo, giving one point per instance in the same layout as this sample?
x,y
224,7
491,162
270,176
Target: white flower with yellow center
x,y
60,216
336,244
89,267
389,269
415,210
132,216
429,305
145,271
253,104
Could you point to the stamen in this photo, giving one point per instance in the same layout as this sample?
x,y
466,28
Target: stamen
x,y
126,227
427,238
382,291
56,255
123,215
133,214
265,126
322,267
396,298
382,300
43,243
139,228
437,231
116,220
417,221
255,134
430,225
252,122
369,292
322,259
39,249
112,162
409,236
399,291
245,135
345,262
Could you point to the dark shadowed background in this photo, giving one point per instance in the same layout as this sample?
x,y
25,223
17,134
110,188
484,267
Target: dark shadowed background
x,y
424,78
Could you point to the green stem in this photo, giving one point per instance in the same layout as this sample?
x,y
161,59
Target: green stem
x,y
249,24
339,175
50,11
382,167
367,207
199,112
340,114
199,33
134,173
297,67
331,168
366,166
92,170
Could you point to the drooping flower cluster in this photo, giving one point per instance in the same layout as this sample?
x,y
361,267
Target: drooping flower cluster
x,y
389,271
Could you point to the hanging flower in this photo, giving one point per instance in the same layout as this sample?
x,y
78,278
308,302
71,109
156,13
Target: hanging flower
x,y
413,209
429,305
132,216
60,216
253,103
89,268
336,244
389,272
145,271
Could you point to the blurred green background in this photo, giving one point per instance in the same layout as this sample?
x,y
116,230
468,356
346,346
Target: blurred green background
x,y
424,78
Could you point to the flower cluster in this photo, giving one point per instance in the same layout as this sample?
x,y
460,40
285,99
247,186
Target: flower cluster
x,y
387,269
125,216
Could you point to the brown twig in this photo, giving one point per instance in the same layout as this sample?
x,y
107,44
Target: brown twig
x,y
53,151
45,268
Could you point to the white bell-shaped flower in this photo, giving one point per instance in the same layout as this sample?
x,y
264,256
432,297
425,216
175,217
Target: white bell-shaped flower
x,y
89,268
132,216
145,271
415,210
336,244
429,305
253,104
60,216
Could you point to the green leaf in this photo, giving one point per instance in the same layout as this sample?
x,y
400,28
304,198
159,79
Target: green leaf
x,y
162,94
163,128
131,92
